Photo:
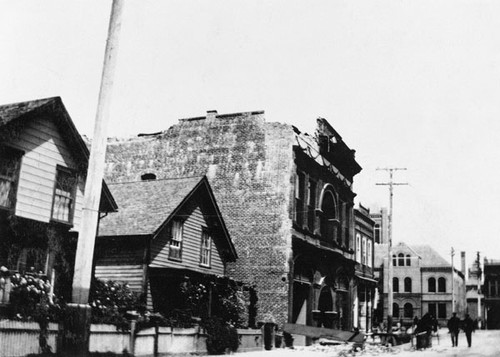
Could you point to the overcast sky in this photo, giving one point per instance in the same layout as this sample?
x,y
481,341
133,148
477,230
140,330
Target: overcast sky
x,y
412,84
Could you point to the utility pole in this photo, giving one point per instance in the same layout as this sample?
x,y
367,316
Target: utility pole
x,y
390,297
77,322
452,281
479,292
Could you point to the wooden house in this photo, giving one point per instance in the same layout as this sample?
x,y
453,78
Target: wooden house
x,y
43,166
165,232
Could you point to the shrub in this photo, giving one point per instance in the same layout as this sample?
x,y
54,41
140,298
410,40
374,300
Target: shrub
x,y
220,336
110,302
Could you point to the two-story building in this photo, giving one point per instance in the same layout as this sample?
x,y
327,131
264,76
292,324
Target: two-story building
x,y
43,166
422,282
287,200
365,283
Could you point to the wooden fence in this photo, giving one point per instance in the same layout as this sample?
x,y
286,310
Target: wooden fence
x,y
21,338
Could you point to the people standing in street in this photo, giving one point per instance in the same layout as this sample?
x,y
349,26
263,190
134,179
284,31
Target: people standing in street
x,y
454,328
468,326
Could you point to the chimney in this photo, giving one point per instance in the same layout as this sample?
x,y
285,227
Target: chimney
x,y
462,261
211,114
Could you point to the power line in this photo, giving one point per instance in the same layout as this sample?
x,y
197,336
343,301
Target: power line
x,y
391,185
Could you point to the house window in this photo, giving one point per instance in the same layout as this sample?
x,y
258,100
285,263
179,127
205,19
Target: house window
x,y
311,206
206,248
408,260
363,251
431,285
395,310
394,260
175,246
401,259
432,309
299,198
441,311
408,310
377,233
358,248
441,285
395,285
33,260
407,285
10,160
369,253
64,195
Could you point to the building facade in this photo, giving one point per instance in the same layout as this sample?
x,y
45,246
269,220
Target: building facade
x,y
491,290
422,282
43,167
285,196
365,283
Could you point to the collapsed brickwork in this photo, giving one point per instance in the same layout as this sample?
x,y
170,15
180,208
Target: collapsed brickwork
x,y
252,168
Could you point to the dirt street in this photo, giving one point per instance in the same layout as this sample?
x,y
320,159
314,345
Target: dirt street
x,y
484,343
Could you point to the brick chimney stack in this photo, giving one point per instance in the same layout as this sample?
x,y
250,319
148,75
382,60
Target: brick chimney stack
x,y
211,114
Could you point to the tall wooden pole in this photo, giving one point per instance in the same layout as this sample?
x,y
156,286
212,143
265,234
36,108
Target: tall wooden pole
x,y
95,173
390,274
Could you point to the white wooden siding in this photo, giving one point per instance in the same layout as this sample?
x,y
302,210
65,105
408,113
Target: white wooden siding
x,y
130,274
191,245
44,149
122,265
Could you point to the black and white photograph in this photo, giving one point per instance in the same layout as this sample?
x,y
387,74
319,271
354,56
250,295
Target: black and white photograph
x,y
255,178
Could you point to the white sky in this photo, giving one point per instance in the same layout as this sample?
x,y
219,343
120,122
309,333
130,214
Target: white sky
x,y
411,84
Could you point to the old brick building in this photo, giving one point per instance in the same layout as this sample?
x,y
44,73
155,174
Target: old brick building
x,y
285,196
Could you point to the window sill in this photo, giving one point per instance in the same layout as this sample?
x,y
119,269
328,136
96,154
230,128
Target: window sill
x,y
62,223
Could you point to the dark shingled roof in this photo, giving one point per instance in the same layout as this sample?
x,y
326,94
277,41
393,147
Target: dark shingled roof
x,y
145,205
9,112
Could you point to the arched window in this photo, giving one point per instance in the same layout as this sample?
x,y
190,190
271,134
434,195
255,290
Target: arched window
x,y
394,260
408,310
441,285
329,221
395,285
407,285
401,259
395,310
431,285
408,260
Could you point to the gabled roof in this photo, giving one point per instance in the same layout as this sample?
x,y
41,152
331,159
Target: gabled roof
x,y
53,108
147,206
430,258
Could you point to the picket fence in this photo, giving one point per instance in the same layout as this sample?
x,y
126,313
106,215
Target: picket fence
x,y
21,338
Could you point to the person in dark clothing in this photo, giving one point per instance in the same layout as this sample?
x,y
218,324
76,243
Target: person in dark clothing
x,y
454,328
468,327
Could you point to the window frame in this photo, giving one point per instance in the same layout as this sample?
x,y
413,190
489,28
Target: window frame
x,y
407,308
408,260
173,233
441,285
401,260
205,233
358,248
407,285
12,153
71,212
433,290
395,285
